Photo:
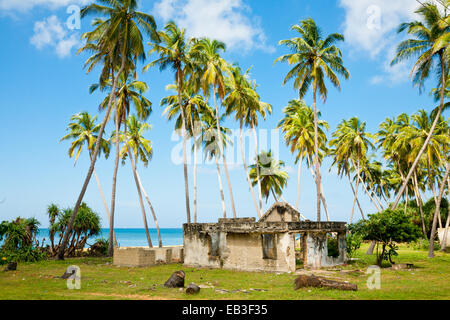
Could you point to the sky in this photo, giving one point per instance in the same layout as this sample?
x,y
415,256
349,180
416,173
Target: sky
x,y
43,83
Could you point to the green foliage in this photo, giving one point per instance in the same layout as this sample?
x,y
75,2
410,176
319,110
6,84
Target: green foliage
x,y
86,225
387,228
333,247
354,241
429,209
19,241
424,244
99,248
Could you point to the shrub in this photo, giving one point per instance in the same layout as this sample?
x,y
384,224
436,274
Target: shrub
x,y
387,228
99,248
354,241
19,241
86,226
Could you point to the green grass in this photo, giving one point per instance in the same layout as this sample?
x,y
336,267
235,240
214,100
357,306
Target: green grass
x,y
101,280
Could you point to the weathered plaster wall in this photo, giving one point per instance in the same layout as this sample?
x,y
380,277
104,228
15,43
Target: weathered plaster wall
x,y
240,251
144,257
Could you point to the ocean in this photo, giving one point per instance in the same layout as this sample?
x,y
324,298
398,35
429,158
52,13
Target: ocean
x,y
131,237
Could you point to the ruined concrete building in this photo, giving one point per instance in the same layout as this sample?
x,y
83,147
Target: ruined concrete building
x,y
278,242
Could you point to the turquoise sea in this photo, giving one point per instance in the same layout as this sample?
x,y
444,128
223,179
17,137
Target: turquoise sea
x,y
132,237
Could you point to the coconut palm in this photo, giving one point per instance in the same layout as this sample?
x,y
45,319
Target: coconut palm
x,y
273,178
430,45
193,105
243,100
173,53
314,59
117,38
141,150
351,143
298,128
84,133
210,142
129,92
206,55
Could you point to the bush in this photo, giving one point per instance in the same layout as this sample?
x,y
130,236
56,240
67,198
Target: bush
x,y
387,228
19,241
86,226
424,244
354,241
99,248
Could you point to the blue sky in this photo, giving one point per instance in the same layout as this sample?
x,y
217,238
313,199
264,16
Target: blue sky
x,y
43,83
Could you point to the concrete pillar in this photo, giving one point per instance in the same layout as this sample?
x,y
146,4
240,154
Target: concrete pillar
x,y
316,249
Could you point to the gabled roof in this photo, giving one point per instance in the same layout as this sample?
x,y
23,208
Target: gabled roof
x,y
281,207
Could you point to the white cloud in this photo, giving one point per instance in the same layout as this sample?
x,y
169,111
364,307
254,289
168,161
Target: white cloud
x,y
26,5
52,33
370,27
229,21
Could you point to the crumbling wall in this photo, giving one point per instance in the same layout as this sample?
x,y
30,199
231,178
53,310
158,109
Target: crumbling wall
x,y
316,255
145,257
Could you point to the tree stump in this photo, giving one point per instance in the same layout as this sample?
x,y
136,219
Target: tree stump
x,y
12,266
176,280
318,282
192,289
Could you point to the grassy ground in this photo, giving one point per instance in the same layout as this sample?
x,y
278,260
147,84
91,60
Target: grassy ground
x,y
100,280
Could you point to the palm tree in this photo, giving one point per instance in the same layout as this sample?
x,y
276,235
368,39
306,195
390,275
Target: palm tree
x,y
53,213
173,53
298,128
84,132
117,38
314,58
192,104
273,178
206,54
431,45
243,100
415,136
351,143
437,212
210,141
141,149
129,92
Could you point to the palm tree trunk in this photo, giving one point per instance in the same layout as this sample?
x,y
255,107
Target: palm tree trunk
x,y
444,238
183,120
151,209
322,198
91,167
141,202
356,199
419,155
316,153
364,185
299,173
437,213
419,204
258,178
223,154
258,214
195,171
435,202
220,187
195,181
114,186
104,202
406,199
